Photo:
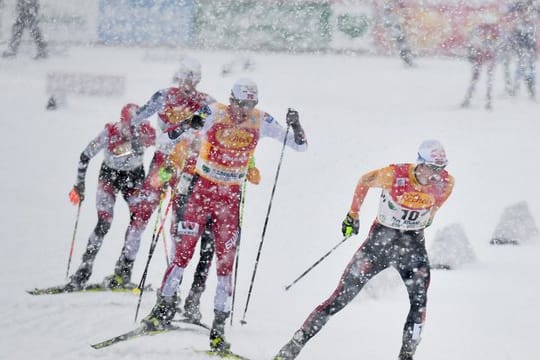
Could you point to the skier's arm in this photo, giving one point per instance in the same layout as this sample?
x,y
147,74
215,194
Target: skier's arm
x,y
77,193
271,128
381,178
152,106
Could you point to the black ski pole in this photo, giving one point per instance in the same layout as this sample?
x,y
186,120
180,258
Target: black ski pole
x,y
153,243
237,255
73,239
243,321
316,263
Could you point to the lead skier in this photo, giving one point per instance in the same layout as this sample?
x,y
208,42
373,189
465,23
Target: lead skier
x,y
411,195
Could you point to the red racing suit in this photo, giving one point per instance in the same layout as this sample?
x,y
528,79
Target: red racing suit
x,y
172,106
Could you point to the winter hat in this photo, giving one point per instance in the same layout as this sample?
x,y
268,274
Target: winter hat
x,y
245,89
190,69
431,152
127,113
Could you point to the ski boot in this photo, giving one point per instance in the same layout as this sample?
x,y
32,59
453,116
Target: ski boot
x,y
217,334
405,356
122,274
191,306
78,280
162,313
291,349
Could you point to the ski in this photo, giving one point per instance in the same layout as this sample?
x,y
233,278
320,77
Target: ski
x,y
138,332
223,354
184,320
62,289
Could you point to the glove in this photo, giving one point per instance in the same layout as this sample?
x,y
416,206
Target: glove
x,y
165,174
197,120
76,195
293,119
350,226
253,176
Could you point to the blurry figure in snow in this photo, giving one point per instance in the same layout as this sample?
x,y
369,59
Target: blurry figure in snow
x,y
507,52
393,21
122,171
482,48
229,138
524,39
27,17
411,195
172,168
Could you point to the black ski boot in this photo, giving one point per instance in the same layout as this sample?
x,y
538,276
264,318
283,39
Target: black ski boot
x,y
291,349
217,334
191,306
162,313
410,342
80,278
122,274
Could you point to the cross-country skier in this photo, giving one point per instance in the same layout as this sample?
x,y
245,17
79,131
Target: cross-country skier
x,y
122,171
173,105
524,39
229,138
27,17
483,45
411,195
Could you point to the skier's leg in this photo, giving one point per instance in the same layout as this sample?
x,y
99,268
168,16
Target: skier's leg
x,y
475,76
368,261
188,232
414,270
191,306
35,31
130,184
105,200
225,232
16,34
489,83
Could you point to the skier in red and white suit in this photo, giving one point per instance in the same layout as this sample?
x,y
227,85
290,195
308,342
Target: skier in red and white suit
x,y
229,138
122,170
173,106
411,195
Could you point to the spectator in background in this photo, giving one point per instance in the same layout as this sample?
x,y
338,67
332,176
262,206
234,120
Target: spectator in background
x,y
482,48
524,39
393,21
27,17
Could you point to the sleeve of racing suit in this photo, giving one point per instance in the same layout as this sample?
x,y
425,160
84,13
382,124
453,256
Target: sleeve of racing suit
x,y
271,128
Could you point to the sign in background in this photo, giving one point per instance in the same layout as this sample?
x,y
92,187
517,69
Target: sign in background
x,y
432,27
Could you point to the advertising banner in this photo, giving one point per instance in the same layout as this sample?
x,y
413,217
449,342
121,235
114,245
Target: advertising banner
x,y
146,22
263,25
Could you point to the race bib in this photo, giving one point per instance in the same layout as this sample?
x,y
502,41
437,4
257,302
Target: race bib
x,y
409,212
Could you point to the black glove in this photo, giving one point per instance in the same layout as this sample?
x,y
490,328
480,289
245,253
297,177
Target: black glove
x,y
293,120
197,121
350,226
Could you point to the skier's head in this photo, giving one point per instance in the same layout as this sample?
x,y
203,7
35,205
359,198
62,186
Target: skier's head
x,y
188,74
244,97
244,93
127,113
431,152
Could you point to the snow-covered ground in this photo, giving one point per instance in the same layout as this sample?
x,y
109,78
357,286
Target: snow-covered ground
x,y
360,113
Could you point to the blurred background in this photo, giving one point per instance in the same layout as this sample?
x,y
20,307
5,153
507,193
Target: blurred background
x,y
429,27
